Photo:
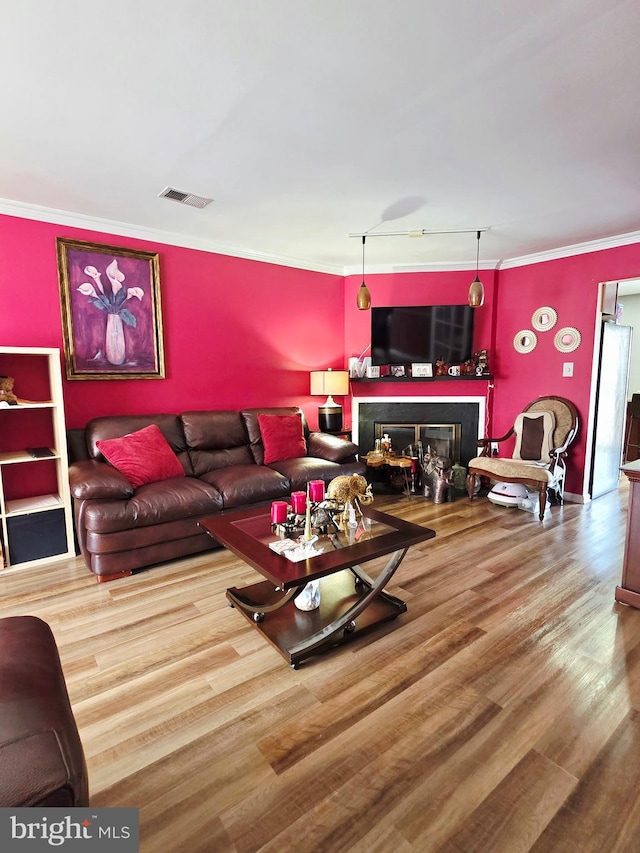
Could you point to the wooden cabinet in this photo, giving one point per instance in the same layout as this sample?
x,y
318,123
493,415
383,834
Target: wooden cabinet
x,y
35,504
632,430
629,590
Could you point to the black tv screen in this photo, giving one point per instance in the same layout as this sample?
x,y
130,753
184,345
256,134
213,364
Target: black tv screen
x,y
406,334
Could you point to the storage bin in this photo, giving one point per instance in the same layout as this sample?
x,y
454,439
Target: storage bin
x,y
36,535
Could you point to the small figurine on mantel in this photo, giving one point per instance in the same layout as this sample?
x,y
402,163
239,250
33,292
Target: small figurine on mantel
x,y
482,363
441,368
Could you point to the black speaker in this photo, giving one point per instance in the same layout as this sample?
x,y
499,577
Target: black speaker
x,y
36,535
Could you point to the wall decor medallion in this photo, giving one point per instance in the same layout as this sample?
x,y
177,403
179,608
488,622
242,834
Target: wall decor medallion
x,y
111,316
525,340
567,339
544,318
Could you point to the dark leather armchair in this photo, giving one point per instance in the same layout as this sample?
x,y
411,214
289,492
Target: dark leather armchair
x,y
41,757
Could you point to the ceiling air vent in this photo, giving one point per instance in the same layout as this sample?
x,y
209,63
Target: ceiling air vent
x,y
185,198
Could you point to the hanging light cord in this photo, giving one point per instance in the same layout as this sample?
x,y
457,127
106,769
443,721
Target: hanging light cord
x,y
363,239
478,256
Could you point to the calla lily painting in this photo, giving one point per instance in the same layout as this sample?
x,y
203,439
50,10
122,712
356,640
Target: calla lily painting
x,y
111,312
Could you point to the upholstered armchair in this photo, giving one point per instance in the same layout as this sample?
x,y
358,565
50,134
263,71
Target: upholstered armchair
x,y
543,432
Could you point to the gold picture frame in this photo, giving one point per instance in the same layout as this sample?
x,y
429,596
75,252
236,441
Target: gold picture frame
x,y
111,312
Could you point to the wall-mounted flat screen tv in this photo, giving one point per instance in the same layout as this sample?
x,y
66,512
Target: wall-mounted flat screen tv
x,y
405,334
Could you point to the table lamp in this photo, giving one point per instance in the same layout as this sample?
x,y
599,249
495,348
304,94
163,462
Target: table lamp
x,y
330,382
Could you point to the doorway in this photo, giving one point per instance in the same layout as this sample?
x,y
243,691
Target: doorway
x,y
612,369
611,407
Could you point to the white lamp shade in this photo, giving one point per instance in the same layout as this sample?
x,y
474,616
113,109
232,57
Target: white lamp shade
x,y
330,382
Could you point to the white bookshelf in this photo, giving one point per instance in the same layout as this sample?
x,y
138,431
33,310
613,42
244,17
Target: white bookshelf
x,y
34,528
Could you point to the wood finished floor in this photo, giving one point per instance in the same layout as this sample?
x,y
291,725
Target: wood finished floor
x,y
500,713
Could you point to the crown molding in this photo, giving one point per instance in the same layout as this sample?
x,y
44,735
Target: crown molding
x,y
125,229
508,263
570,251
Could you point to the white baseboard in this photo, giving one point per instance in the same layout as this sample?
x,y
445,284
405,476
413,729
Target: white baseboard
x,y
571,498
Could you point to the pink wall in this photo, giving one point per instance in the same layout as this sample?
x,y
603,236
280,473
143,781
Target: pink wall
x,y
236,332
242,333
570,285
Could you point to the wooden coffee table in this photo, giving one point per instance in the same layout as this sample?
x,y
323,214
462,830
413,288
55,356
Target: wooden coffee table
x,y
351,602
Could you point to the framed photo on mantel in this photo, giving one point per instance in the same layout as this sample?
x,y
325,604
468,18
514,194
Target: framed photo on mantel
x,y
422,369
111,315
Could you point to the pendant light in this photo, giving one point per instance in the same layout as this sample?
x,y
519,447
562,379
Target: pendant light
x,y
364,297
476,290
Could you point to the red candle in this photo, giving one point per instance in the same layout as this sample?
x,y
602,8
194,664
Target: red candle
x,y
299,502
279,512
316,490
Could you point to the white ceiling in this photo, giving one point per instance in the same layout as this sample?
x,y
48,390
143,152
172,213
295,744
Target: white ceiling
x,y
307,120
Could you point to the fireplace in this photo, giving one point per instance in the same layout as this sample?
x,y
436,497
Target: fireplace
x,y
450,425
436,439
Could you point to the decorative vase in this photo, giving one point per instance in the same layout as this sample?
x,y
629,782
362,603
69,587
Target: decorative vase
x,y
114,340
309,598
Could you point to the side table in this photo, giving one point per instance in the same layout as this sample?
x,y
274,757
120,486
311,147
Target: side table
x,y
374,459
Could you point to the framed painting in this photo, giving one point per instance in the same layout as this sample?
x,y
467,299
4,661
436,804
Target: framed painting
x,y
111,314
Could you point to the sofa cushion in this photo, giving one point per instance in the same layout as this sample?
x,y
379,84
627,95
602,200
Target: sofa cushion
x,y
215,439
143,456
153,503
247,484
282,437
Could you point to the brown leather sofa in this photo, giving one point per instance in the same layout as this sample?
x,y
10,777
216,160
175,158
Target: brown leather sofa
x,y
41,757
120,528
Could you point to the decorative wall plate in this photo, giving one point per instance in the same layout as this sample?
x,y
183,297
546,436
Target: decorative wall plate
x,y
525,340
567,339
544,318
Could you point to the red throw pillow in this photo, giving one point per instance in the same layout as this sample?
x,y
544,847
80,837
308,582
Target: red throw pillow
x,y
143,457
282,437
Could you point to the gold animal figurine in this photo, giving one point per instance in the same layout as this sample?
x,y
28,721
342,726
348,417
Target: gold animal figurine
x,y
349,490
